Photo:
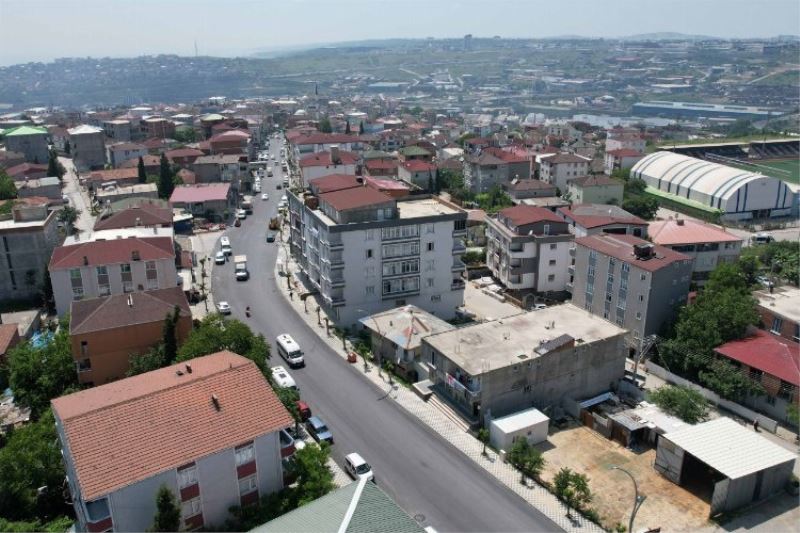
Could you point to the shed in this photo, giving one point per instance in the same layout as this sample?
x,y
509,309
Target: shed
x,y
724,462
530,424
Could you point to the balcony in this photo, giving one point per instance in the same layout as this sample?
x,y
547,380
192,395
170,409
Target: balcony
x,y
287,443
571,270
337,282
460,232
458,266
459,248
457,285
572,252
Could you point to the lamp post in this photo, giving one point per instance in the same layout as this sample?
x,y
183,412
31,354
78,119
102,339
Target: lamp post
x,y
638,499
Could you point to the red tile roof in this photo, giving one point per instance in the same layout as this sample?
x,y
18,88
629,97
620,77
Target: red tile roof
x,y
111,252
625,152
355,198
132,429
230,135
323,159
529,185
595,215
326,138
520,215
334,182
386,184
116,311
206,192
766,352
381,164
564,158
184,153
621,247
146,215
417,165
507,156
685,231
26,169
9,337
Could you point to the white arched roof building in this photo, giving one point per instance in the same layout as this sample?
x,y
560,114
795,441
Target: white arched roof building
x,y
738,193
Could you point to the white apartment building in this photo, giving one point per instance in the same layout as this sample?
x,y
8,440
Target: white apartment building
x,y
367,252
558,169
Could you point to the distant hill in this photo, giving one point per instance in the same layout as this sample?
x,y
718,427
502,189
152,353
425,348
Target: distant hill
x,y
667,36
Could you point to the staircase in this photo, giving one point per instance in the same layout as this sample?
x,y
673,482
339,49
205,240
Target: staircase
x,y
449,412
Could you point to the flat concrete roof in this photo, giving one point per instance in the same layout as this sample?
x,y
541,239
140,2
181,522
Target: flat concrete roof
x,y
424,207
521,420
508,341
406,326
784,301
729,448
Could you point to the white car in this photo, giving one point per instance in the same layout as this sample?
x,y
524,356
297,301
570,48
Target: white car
x,y
256,188
224,308
241,214
219,258
283,378
357,467
265,196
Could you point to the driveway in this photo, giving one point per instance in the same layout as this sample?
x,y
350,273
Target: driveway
x,y
78,198
429,478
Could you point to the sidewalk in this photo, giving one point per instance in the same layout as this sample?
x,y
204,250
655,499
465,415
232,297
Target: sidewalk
x,y
202,245
537,496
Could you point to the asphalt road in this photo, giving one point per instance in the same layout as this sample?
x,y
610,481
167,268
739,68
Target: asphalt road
x,y
424,474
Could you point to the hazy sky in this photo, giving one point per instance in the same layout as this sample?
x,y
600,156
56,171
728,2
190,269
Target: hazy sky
x,y
40,30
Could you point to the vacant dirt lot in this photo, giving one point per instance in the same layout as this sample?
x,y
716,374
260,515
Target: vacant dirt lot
x,y
668,506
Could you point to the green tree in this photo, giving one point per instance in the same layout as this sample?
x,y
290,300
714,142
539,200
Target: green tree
x,y
168,513
40,374
68,215
483,437
642,206
779,258
32,459
46,291
793,414
314,476
361,128
288,398
347,128
464,138
527,459
141,172
572,488
67,147
325,125
165,179
683,402
8,190
185,135
151,360
729,381
54,168
216,333
169,335
57,525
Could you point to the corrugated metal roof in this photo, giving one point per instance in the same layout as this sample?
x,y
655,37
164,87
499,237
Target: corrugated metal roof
x,y
729,448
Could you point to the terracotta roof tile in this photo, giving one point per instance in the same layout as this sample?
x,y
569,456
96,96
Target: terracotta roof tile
x,y
685,231
521,215
200,193
135,428
121,310
334,182
111,252
146,215
768,353
621,247
355,198
594,215
323,159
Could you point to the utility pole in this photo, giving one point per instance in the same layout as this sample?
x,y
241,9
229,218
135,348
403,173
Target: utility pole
x,y
638,499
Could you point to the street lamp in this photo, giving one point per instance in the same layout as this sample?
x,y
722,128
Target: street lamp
x,y
638,499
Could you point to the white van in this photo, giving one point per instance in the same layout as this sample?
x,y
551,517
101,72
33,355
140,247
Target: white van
x,y
225,245
290,350
283,378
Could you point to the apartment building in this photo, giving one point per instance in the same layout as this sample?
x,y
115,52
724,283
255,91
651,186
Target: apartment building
x,y
417,172
88,147
107,332
594,219
368,252
708,245
494,166
620,159
112,262
208,429
118,153
30,141
528,249
157,128
595,190
558,169
620,140
779,309
117,130
27,239
324,163
533,359
219,168
629,281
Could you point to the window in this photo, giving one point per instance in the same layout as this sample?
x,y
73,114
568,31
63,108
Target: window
x,y
369,235
187,476
399,232
430,228
777,323
643,276
370,289
430,246
84,365
103,286
796,336
429,282
641,297
394,268
191,507
245,454
151,273
552,262
369,271
547,229
638,315
400,250
398,285
459,225
553,245
127,277
84,348
551,277
436,298
247,485
77,283
430,264
369,253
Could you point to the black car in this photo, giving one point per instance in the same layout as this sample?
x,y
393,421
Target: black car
x,y
270,237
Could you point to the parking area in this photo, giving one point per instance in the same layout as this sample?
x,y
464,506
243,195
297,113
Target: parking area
x,y
668,506
484,307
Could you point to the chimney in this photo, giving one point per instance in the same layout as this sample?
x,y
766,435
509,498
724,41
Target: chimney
x,y
85,261
336,158
215,401
130,300
188,368
135,255
138,221
679,221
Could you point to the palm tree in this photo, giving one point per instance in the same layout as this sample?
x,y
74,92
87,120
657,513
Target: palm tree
x,y
68,216
483,436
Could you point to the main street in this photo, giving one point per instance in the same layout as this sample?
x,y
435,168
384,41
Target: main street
x,y
433,481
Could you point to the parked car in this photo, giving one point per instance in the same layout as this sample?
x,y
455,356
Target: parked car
x,y
303,409
357,467
765,281
317,429
270,236
241,214
278,186
224,308
219,257
265,196
283,378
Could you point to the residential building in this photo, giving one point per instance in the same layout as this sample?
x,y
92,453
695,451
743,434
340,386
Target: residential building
x,y
323,142
30,141
227,168
10,159
520,190
112,262
594,219
381,167
157,128
620,159
212,201
143,215
595,190
114,193
492,166
558,169
771,361
9,337
325,163
779,309
230,142
112,178
118,153
191,427
88,147
117,130
396,336
414,153
27,170
367,252
392,187
708,245
625,141
27,239
532,359
49,188
640,286
417,172
183,157
107,332
528,249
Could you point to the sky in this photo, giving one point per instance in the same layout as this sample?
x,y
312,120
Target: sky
x,y
41,30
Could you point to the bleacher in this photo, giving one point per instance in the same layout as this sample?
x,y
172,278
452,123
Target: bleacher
x,y
703,151
775,149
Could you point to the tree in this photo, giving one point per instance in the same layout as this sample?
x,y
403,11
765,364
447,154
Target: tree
x,y
526,458
642,206
40,374
683,402
461,140
67,147
431,184
141,172
729,381
289,398
216,333
314,477
572,488
347,128
185,135
57,525
361,128
54,168
437,183
8,190
325,125
32,459
168,514
147,362
483,436
68,216
170,339
46,290
165,179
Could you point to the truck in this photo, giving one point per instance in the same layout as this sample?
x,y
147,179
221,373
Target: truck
x,y
240,268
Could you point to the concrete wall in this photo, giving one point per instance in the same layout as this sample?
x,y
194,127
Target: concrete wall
x,y
24,250
503,441
33,146
88,150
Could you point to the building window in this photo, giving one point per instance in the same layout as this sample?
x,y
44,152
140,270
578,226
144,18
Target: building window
x,y
430,264
643,276
370,234
399,285
641,297
460,225
796,336
187,476
553,245
370,290
399,232
245,454
436,298
395,268
369,253
430,246
551,277
84,365
429,282
247,485
547,229
191,507
103,284
638,315
430,228
399,250
151,273
127,277
76,281
777,323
